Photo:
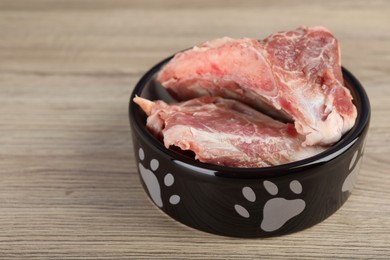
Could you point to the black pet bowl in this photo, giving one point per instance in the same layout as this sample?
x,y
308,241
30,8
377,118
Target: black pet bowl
x,y
247,202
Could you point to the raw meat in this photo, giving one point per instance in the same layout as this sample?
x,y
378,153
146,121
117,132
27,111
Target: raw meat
x,y
225,132
295,75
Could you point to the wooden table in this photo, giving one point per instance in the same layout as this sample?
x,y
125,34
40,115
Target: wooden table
x,y
68,181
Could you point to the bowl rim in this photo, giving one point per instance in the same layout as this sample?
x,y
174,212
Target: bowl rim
x,y
347,141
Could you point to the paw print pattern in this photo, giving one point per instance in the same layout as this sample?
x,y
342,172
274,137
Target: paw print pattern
x,y
277,211
250,195
354,167
168,181
151,181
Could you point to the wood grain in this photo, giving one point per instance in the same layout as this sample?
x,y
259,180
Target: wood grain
x,y
68,181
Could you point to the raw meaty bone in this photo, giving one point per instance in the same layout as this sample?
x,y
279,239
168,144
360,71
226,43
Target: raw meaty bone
x,y
225,132
295,74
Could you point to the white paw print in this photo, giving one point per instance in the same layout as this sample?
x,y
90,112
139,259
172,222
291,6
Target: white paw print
x,y
277,211
151,181
250,195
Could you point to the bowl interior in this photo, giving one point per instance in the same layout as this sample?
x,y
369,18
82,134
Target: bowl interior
x,y
148,88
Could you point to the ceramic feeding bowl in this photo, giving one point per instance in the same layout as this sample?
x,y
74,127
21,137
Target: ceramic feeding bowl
x,y
247,202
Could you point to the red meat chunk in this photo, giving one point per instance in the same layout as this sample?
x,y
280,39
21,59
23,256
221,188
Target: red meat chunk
x,y
225,132
295,75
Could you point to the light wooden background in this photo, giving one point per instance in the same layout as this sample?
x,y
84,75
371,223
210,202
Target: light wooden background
x,y
68,182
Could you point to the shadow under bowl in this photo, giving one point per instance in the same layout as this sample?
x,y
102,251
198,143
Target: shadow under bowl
x,y
247,202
